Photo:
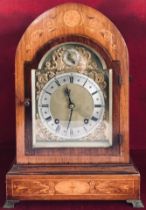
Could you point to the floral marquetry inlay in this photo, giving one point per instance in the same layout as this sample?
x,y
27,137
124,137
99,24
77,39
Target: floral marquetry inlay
x,y
72,18
109,37
72,187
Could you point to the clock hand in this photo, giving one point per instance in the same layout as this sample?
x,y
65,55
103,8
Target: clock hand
x,y
70,116
70,105
67,92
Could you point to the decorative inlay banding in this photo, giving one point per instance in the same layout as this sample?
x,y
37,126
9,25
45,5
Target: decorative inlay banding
x,y
43,187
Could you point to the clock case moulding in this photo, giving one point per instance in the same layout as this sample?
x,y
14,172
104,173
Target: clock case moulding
x,y
72,173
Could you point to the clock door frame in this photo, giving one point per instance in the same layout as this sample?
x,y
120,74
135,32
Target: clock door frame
x,y
54,27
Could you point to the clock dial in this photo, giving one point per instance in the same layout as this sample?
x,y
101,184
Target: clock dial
x,y
71,105
72,98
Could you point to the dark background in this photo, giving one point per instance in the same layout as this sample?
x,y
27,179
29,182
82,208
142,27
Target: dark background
x,y
130,18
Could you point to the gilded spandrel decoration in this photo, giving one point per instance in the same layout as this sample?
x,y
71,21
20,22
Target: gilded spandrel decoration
x,y
101,132
67,59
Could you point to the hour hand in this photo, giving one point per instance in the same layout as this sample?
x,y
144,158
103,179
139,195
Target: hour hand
x,y
67,92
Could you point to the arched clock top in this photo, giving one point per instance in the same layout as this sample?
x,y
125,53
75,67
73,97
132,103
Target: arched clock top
x,y
77,19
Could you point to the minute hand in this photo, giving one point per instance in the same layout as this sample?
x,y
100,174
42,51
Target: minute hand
x,y
70,116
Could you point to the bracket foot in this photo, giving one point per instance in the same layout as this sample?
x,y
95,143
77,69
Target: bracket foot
x,y
10,204
136,203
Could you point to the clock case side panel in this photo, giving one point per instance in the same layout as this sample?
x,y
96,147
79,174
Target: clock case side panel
x,y
105,34
73,155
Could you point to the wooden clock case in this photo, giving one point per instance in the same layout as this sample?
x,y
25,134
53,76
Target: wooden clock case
x,y
72,173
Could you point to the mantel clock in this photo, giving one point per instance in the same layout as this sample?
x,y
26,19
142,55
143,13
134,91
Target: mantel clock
x,y
72,122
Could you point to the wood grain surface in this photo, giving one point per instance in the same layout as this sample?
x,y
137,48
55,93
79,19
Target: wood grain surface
x,y
33,183
62,21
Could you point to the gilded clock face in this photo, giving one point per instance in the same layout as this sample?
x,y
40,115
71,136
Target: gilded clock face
x,y
71,105
71,98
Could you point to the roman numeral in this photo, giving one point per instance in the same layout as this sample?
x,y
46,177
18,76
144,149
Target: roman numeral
x,y
98,105
58,128
94,92
94,118
57,82
44,105
71,132
47,92
48,118
85,82
85,128
71,79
